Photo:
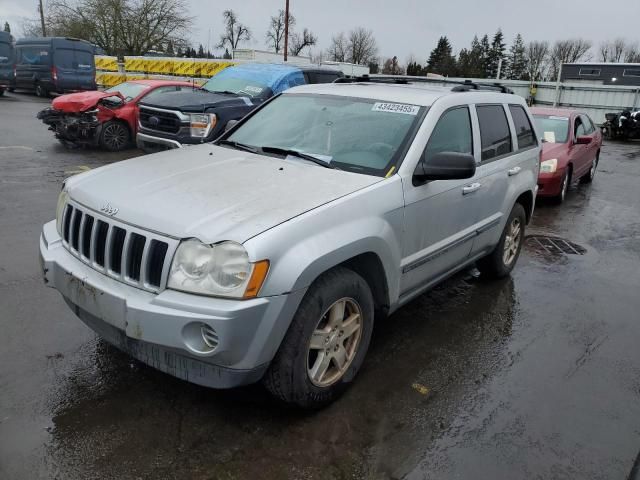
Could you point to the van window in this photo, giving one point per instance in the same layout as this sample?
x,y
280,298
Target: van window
x,y
494,131
84,60
34,55
524,130
452,133
5,53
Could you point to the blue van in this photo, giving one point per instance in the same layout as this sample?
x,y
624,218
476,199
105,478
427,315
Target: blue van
x,y
6,61
54,64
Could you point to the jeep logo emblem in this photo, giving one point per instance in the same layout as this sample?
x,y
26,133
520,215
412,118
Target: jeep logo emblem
x,y
109,210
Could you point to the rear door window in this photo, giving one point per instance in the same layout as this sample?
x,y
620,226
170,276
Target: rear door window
x,y
524,129
494,131
68,59
5,53
84,60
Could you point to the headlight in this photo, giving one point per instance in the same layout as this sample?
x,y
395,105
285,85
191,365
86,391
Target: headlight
x,y
222,270
201,124
549,166
62,201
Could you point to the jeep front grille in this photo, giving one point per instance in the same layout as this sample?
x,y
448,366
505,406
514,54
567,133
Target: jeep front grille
x,y
163,120
133,256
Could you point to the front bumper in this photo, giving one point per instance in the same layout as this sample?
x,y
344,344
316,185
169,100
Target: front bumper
x,y
550,184
146,141
158,329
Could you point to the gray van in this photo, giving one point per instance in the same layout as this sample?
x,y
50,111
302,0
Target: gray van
x,y
6,61
54,64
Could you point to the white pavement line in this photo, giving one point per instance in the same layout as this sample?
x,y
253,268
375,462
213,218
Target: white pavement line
x,y
16,146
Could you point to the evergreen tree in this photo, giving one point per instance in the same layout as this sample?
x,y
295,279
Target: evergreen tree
x,y
179,52
414,69
169,51
484,51
517,62
227,55
495,54
200,51
441,60
7,27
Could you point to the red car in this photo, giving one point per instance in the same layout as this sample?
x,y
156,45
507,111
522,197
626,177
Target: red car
x,y
107,118
570,150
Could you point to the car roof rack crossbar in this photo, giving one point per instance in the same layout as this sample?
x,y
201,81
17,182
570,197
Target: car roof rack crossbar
x,y
460,86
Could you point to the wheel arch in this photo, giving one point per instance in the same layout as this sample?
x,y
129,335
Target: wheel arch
x,y
526,199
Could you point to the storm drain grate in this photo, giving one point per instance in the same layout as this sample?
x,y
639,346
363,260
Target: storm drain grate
x,y
554,245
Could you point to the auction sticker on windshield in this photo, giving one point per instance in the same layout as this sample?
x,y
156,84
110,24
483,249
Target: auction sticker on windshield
x,y
396,108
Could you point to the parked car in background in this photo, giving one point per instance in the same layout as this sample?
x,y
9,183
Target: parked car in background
x,y
54,65
191,117
107,118
570,150
267,254
6,61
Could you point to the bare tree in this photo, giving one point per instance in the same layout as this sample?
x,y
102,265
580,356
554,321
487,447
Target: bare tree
x,y
338,49
235,32
536,55
391,66
632,53
120,27
362,46
613,51
567,51
298,42
275,34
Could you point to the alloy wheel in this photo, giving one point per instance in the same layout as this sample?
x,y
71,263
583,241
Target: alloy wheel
x,y
115,136
512,242
334,342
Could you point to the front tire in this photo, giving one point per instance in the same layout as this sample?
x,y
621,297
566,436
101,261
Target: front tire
x,y
326,342
564,188
588,177
115,136
500,262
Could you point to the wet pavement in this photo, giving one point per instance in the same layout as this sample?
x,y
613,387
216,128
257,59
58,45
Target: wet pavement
x,y
536,376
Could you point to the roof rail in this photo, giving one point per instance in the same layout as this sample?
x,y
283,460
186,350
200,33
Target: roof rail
x,y
460,86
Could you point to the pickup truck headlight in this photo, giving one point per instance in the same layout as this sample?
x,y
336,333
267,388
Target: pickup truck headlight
x,y
221,270
549,166
62,201
201,124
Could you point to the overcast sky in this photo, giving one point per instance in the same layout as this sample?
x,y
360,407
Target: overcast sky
x,y
404,27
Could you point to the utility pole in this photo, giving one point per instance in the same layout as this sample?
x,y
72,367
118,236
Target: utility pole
x,y
286,29
44,30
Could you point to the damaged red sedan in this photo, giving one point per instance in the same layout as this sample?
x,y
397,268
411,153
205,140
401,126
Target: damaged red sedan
x,y
106,118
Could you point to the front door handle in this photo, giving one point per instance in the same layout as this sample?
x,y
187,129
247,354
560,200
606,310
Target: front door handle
x,y
471,188
514,171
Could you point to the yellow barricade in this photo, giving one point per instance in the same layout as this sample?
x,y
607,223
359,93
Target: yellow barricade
x,y
109,64
135,64
109,79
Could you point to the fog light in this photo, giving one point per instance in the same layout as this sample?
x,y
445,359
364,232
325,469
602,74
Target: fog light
x,y
209,336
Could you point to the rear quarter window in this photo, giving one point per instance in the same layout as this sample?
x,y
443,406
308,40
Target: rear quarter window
x,y
34,55
524,129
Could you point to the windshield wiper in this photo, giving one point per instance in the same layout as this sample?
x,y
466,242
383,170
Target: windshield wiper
x,y
225,92
238,146
296,153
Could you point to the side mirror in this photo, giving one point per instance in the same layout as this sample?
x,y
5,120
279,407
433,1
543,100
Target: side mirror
x,y
230,124
583,140
445,166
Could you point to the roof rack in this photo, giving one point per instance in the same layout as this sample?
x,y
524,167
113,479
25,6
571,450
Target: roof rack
x,y
460,85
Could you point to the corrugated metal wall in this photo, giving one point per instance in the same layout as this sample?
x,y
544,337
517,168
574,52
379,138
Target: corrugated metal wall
x,y
594,99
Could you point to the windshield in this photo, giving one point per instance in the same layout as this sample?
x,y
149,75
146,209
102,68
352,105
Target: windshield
x,y
552,129
128,90
5,53
358,135
240,86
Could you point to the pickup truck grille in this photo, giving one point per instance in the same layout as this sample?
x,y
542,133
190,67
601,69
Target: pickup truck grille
x,y
130,255
159,120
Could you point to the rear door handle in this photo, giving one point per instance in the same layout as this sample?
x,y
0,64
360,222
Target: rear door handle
x,y
514,171
471,188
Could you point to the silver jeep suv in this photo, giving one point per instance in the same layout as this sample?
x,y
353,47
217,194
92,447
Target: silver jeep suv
x,y
267,254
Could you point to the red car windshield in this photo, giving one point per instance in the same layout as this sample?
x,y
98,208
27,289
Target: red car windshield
x,y
552,129
128,90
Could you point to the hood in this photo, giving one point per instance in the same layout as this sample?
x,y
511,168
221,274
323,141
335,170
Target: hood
x,y
212,193
197,100
81,101
553,150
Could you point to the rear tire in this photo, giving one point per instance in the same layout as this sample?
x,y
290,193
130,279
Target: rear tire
x,y
324,348
115,136
500,262
41,91
588,177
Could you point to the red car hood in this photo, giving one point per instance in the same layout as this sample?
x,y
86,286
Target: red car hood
x,y
81,101
553,150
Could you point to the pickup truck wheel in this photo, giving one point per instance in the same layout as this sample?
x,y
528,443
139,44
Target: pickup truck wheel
x,y
326,342
115,136
501,261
